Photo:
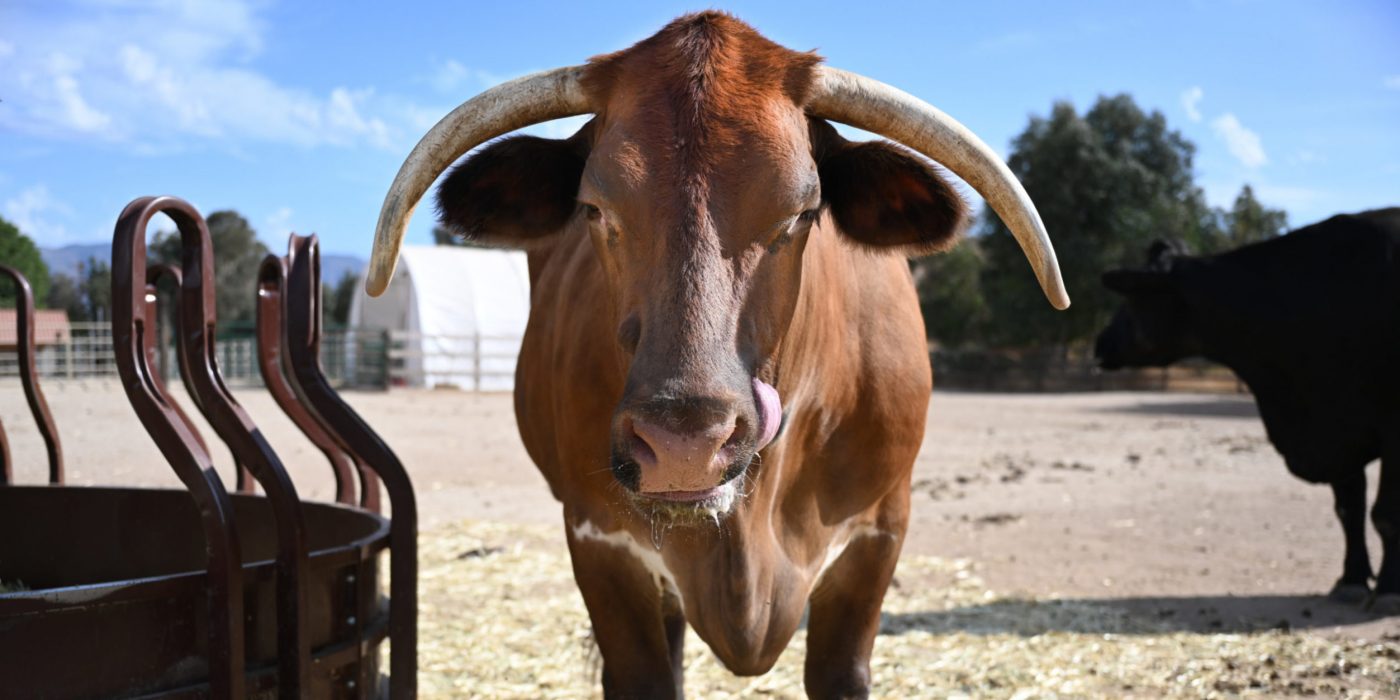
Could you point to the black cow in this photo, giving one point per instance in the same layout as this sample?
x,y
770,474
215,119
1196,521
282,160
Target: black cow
x,y
1311,322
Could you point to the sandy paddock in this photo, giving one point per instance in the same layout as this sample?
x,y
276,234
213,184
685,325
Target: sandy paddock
x,y
1119,544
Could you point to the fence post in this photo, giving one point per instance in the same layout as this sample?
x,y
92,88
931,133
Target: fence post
x,y
385,361
476,361
68,354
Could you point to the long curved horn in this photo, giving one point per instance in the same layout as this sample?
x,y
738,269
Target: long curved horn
x,y
876,107
535,98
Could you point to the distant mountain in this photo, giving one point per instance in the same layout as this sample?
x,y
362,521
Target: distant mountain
x,y
65,260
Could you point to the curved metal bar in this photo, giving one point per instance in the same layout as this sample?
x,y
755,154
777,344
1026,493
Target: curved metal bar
x,y
7,477
249,447
272,277
172,431
368,480
151,341
29,378
244,479
304,333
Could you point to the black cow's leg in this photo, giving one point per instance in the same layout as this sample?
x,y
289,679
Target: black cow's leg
x,y
629,620
1386,517
1349,501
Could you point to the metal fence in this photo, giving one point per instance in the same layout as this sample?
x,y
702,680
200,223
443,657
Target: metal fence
x,y
486,362
1050,370
353,358
475,361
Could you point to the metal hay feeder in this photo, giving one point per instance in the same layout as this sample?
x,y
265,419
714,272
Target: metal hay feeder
x,y
198,592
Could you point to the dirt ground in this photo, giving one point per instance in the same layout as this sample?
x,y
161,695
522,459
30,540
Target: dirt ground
x,y
1169,506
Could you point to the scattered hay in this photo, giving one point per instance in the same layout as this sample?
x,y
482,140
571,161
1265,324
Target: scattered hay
x,y
14,586
500,618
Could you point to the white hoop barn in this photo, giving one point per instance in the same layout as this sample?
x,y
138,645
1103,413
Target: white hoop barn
x,y
454,317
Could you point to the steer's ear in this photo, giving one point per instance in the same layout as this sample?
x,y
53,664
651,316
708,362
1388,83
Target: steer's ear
x,y
515,192
1132,282
884,196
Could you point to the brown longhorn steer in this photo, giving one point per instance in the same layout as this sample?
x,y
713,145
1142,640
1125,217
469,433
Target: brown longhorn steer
x,y
724,378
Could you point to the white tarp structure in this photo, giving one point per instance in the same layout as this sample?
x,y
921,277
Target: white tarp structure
x,y
455,316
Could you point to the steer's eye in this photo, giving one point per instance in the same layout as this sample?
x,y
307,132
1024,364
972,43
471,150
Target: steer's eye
x,y
593,213
808,216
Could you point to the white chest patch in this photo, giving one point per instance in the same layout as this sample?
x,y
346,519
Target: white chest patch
x,y
838,546
648,557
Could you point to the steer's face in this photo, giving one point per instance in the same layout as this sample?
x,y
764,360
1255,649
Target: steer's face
x,y
703,253
699,192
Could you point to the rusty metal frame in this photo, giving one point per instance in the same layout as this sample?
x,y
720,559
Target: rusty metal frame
x,y
244,482
303,346
215,604
174,435
271,329
29,378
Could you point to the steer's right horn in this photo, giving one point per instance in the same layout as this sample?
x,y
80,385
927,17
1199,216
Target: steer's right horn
x,y
540,97
869,104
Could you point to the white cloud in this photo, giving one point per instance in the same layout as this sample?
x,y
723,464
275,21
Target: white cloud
x,y
1244,144
31,212
343,115
1391,82
77,113
450,76
157,75
456,80
1191,100
279,222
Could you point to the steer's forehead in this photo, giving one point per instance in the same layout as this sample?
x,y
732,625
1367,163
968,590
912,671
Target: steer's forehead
x,y
704,84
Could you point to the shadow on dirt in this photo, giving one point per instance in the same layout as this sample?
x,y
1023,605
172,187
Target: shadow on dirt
x,y
1222,407
1199,614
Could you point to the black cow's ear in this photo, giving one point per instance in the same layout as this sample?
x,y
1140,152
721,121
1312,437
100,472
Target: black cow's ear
x,y
884,196
515,192
1137,281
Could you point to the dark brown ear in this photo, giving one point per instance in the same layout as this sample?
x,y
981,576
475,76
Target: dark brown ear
x,y
884,196
515,192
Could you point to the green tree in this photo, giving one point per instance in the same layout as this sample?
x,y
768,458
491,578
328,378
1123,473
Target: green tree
x,y
237,255
88,298
64,294
950,294
1106,183
1249,221
336,300
19,252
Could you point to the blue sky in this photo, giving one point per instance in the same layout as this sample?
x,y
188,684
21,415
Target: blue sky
x,y
299,114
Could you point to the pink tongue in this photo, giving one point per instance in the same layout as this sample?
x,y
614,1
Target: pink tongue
x,y
770,411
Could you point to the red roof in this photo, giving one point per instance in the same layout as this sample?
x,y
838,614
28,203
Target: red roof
x,y
50,327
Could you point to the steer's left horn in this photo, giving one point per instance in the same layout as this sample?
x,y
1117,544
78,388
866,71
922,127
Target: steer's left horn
x,y
536,98
874,106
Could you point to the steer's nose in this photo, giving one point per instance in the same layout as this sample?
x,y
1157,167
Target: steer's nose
x,y
678,457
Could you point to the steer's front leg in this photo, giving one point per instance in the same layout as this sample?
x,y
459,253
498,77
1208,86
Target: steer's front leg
x,y
845,616
634,629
